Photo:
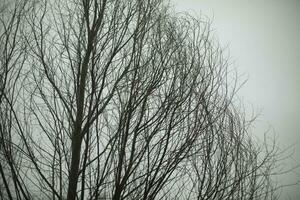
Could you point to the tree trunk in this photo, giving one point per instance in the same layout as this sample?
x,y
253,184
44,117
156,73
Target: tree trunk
x,y
73,176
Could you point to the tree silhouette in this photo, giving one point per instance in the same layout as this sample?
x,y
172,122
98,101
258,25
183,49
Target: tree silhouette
x,y
107,99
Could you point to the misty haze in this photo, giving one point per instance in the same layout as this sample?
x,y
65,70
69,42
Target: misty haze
x,y
147,100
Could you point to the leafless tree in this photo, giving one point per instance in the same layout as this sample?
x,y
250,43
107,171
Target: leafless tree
x,y
115,99
12,59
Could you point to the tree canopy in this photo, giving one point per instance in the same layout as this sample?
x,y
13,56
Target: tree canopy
x,y
121,99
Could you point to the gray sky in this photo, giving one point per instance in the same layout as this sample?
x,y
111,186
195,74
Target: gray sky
x,y
263,37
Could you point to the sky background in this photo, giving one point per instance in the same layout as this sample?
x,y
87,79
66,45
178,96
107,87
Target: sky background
x,y
263,38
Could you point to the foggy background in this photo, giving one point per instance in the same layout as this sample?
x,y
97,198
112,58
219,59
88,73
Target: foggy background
x,y
263,39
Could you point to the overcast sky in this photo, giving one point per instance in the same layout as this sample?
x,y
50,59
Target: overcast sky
x,y
263,37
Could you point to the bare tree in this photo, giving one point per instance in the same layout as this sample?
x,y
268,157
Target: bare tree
x,y
12,59
122,100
